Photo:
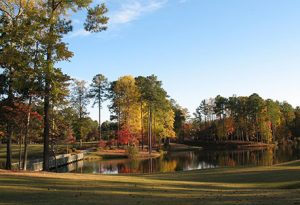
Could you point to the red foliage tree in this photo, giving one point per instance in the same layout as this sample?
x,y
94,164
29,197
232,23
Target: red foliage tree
x,y
16,113
126,138
102,144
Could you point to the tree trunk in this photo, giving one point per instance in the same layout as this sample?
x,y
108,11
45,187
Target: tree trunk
x,y
100,133
119,123
150,131
26,135
9,125
47,107
46,126
80,119
8,147
142,126
273,132
224,134
20,150
49,62
154,133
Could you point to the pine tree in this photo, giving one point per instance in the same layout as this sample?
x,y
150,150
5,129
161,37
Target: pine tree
x,y
99,92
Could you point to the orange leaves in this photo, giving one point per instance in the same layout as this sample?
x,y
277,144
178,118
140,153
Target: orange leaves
x,y
2,134
16,112
126,137
229,126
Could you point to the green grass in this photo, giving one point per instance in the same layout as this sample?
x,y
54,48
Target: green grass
x,y
253,185
35,151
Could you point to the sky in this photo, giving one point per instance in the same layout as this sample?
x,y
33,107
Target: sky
x,y
197,48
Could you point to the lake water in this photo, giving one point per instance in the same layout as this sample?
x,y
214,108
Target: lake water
x,y
188,160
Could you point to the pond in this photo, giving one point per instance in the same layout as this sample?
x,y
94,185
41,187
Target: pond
x,y
188,160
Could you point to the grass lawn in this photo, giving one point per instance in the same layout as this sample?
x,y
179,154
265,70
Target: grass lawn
x,y
254,185
35,151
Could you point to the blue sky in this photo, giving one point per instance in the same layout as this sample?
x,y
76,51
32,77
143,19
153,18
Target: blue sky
x,y
198,48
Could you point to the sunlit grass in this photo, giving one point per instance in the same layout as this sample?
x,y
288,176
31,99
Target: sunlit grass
x,y
252,185
35,151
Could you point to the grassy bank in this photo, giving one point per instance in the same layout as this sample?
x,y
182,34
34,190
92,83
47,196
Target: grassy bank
x,y
35,151
117,154
182,147
229,144
256,185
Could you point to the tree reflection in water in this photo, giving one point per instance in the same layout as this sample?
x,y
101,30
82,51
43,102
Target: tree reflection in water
x,y
189,160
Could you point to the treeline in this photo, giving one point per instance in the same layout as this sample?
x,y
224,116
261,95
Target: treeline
x,y
241,118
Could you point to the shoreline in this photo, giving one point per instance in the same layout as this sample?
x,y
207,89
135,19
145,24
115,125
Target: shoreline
x,y
118,154
230,145
121,153
295,163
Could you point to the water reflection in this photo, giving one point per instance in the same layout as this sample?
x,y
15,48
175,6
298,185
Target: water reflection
x,y
190,160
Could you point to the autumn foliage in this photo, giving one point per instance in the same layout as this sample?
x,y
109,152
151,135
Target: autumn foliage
x,y
125,137
16,113
102,144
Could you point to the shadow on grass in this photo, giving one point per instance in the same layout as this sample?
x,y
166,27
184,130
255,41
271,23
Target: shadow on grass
x,y
235,175
136,190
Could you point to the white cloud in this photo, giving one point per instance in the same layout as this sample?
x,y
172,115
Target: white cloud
x,y
125,12
78,33
133,9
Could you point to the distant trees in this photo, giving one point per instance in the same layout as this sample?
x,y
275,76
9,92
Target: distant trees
x,y
109,129
245,119
296,127
80,100
180,119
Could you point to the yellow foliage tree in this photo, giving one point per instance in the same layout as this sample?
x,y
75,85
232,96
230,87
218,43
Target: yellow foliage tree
x,y
128,102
